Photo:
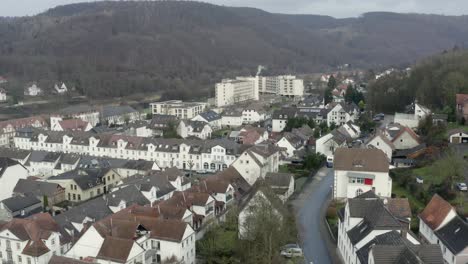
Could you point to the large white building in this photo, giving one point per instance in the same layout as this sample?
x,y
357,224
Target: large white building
x,y
183,110
204,155
284,85
229,91
361,170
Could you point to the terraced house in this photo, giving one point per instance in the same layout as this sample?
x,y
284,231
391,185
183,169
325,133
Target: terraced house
x,y
196,155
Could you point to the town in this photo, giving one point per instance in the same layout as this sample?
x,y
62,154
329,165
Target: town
x,y
112,184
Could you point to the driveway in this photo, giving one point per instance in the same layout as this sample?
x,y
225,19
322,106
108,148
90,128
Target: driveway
x,y
309,207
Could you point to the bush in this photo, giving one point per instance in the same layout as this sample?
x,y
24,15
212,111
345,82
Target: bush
x,y
331,212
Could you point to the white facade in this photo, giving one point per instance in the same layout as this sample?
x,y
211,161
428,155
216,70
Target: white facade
x,y
350,184
229,91
250,116
405,141
33,90
61,89
231,120
339,116
379,142
251,165
327,145
290,149
3,95
288,85
183,110
10,177
186,129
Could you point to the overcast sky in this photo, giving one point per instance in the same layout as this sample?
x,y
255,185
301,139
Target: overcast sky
x,y
336,8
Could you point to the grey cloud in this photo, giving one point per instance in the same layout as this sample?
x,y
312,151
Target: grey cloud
x,y
336,8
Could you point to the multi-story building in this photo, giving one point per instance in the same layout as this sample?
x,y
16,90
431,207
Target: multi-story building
x,y
229,91
83,112
3,95
361,170
341,113
11,172
195,155
10,127
284,85
180,109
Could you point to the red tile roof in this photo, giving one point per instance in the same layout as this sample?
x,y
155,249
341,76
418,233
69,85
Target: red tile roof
x,y
409,131
73,125
435,212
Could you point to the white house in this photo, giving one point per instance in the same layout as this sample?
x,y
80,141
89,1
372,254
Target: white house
x,y
257,161
83,112
143,237
10,173
402,137
231,118
210,117
281,183
439,224
368,221
59,124
62,89
33,90
280,118
3,95
290,143
180,109
33,240
118,114
412,120
357,171
329,143
380,141
341,113
199,129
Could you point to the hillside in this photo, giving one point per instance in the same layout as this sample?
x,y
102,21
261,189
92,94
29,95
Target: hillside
x,y
182,48
434,82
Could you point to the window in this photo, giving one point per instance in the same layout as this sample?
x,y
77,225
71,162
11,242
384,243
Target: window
x,y
52,241
19,259
205,165
74,196
358,192
18,246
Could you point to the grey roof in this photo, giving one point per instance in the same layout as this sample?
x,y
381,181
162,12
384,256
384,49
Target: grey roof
x,y
454,235
277,179
66,158
76,109
85,178
389,238
406,152
146,182
142,165
36,188
375,216
116,110
17,203
95,209
130,194
407,254
162,119
197,126
37,156
210,115
18,154
284,113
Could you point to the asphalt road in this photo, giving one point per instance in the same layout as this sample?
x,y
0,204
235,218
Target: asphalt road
x,y
317,245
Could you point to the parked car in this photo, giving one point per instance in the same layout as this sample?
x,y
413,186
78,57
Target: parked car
x,y
330,161
292,252
461,186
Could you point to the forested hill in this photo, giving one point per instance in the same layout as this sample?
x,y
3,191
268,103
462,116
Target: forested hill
x,y
116,48
434,82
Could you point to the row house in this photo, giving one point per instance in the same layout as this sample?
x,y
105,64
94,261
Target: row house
x,y
40,189
180,109
210,117
10,173
33,240
140,236
84,112
196,155
368,222
9,128
291,143
118,115
198,129
440,225
341,113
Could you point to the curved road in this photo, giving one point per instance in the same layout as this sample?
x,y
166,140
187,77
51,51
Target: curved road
x,y
309,207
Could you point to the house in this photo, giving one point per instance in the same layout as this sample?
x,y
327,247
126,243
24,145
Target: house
x,y
250,135
253,113
257,161
280,118
231,118
221,190
42,163
368,221
260,199
153,187
141,237
162,122
458,136
282,184
404,253
199,129
210,117
118,114
60,89
19,155
3,80
10,173
125,197
33,240
3,95
58,124
9,128
408,157
402,137
329,143
461,107
415,113
440,225
33,90
134,167
357,171
19,207
84,184
235,179
40,189
83,112
291,144
380,141
305,133
341,113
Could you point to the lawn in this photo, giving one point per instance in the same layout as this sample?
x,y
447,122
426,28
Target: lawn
x,y
401,192
429,178
221,133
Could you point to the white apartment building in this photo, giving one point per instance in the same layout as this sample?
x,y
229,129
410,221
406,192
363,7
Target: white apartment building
x,y
284,85
183,110
3,95
197,155
230,91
